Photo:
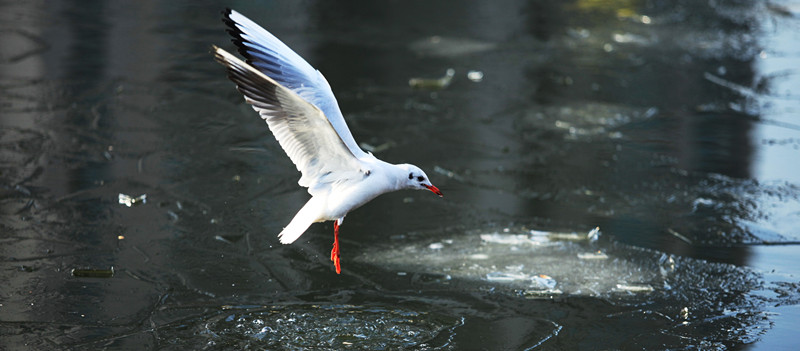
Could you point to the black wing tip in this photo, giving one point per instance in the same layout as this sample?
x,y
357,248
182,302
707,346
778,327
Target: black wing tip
x,y
230,23
236,34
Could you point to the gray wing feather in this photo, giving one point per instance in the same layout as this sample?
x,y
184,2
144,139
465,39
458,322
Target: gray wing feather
x,y
268,54
302,129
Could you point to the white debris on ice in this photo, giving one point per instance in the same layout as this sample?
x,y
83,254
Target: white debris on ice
x,y
129,201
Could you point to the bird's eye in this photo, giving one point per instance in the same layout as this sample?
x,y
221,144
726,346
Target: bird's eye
x,y
420,178
411,176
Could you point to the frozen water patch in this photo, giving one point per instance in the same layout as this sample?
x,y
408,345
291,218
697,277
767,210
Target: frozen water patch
x,y
687,300
537,263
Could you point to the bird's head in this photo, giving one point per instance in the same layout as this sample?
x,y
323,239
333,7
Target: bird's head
x,y
417,179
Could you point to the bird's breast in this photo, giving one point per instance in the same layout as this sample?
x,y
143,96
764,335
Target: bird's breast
x,y
346,197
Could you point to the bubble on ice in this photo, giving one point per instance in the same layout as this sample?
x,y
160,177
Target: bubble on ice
x,y
319,326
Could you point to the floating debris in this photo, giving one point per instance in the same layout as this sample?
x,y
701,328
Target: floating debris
x,y
508,239
129,201
506,276
738,88
475,76
538,282
544,281
684,313
634,288
629,38
592,235
220,238
436,246
679,236
172,215
592,256
448,173
540,293
433,84
93,273
449,47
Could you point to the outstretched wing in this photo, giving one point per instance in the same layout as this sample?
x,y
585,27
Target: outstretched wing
x,y
272,57
300,127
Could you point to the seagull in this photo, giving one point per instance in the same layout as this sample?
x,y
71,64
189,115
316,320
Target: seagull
x,y
299,107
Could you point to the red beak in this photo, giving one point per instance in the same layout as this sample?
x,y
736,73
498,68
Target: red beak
x,y
434,189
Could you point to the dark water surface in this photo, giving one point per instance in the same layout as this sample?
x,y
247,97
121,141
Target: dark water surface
x,y
670,125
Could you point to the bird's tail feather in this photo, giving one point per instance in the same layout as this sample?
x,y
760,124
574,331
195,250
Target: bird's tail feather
x,y
301,221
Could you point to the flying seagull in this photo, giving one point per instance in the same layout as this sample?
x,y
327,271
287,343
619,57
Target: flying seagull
x,y
299,107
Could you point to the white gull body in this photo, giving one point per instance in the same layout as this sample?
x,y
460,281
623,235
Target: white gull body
x,y
299,107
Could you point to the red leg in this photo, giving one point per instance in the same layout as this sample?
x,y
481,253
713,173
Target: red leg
x,y
335,250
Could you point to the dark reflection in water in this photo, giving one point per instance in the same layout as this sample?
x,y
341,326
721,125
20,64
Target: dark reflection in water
x,y
651,120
